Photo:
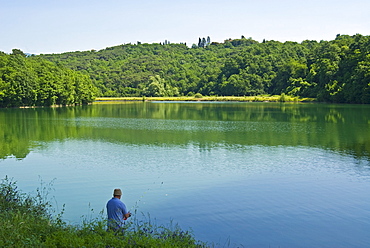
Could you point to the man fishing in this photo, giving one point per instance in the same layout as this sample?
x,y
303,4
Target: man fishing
x,y
117,211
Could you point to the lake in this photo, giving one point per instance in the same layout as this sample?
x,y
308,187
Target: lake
x,y
237,174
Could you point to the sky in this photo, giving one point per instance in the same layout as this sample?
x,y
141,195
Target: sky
x,y
57,26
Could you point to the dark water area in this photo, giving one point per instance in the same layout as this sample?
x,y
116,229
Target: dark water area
x,y
238,174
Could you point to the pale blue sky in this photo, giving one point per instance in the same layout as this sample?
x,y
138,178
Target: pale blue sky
x,y
55,26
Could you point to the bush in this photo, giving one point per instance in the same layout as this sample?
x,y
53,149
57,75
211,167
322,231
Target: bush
x,y
282,98
198,95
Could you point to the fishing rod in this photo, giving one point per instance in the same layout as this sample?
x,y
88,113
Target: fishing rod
x,y
136,206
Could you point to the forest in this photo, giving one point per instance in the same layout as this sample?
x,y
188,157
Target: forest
x,y
335,71
33,81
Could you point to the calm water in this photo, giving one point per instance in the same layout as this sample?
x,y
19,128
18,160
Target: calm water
x,y
238,174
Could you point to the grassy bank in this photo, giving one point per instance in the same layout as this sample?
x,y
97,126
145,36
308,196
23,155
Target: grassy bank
x,y
30,221
197,97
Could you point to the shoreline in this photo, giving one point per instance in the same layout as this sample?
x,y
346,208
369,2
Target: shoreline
x,y
276,98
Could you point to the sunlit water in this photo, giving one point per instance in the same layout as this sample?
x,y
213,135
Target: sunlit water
x,y
235,176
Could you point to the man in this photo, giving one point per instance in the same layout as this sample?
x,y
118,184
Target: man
x,y
117,211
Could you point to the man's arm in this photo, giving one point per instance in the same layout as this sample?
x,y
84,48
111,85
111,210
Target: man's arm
x,y
126,214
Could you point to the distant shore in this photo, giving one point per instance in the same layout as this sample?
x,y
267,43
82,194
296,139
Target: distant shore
x,y
276,98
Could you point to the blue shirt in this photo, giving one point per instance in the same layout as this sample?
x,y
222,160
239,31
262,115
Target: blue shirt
x,y
116,211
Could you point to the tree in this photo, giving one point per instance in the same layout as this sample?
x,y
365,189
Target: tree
x,y
18,52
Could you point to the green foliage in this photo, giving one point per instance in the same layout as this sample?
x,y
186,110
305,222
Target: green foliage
x,y
282,98
25,221
36,82
158,87
332,71
198,95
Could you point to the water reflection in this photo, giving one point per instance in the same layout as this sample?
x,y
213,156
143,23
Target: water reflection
x,y
343,128
288,175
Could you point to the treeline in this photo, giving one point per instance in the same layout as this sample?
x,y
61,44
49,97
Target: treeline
x,y
33,81
331,71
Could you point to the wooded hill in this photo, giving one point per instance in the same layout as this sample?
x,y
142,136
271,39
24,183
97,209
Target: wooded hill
x,y
331,71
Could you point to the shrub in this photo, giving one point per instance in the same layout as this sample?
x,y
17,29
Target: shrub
x,y
198,95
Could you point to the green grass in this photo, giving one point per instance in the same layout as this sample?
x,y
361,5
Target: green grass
x,y
30,221
264,98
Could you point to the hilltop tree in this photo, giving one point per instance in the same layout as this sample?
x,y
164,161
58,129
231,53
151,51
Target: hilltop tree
x,y
203,42
18,52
